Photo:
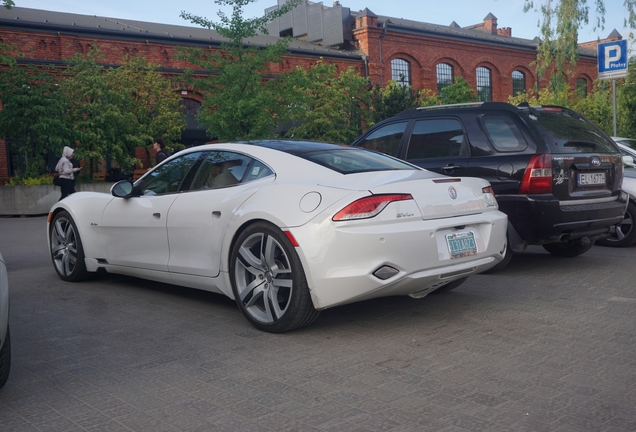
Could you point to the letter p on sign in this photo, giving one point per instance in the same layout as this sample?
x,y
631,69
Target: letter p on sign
x,y
612,54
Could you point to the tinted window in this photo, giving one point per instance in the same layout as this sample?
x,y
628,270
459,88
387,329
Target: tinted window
x,y
504,134
167,178
220,169
570,132
386,139
350,161
436,138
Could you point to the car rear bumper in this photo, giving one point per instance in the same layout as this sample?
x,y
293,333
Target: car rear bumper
x,y
543,219
341,267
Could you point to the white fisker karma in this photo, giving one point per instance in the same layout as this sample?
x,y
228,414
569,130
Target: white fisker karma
x,y
286,228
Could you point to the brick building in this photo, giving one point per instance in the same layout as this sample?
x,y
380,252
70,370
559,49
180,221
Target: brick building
x,y
383,48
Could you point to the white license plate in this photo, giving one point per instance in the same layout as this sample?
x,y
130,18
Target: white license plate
x,y
461,244
591,179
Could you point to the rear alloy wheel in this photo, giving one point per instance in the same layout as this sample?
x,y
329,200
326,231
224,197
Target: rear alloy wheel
x,y
268,280
623,234
568,249
67,252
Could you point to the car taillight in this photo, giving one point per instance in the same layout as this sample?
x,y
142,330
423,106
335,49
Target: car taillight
x,y
538,176
368,207
488,190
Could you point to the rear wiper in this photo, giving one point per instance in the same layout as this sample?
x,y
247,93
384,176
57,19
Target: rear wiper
x,y
579,144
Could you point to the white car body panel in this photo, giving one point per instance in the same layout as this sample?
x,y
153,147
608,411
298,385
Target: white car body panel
x,y
4,301
186,238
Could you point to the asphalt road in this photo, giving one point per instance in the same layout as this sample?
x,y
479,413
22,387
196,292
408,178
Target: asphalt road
x,y
547,345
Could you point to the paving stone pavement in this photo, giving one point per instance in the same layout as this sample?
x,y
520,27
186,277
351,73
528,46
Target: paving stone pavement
x,y
547,345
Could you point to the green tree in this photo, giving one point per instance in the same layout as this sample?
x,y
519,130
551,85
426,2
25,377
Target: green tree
x,y
597,106
33,116
237,102
559,25
460,92
391,100
626,96
116,110
97,122
8,3
148,101
325,105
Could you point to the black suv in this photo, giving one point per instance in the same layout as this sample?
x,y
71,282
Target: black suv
x,y
555,174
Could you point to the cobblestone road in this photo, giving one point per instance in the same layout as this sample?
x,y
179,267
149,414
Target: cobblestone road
x,y
547,345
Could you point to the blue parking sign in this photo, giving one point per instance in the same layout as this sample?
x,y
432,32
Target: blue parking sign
x,y
612,60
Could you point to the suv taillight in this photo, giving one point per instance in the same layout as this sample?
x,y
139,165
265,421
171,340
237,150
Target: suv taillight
x,y
538,176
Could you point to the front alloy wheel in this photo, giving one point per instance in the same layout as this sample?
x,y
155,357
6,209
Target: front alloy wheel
x,y
66,249
268,280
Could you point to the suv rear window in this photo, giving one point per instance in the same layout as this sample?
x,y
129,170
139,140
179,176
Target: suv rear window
x,y
570,132
504,135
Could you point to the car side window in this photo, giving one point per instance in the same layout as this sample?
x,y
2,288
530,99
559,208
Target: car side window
x,y
504,134
220,169
386,139
434,138
167,178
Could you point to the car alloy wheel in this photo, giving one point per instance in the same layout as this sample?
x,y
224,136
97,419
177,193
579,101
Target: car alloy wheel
x,y
623,234
268,280
66,249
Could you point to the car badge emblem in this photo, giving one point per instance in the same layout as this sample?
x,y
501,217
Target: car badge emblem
x,y
452,192
596,161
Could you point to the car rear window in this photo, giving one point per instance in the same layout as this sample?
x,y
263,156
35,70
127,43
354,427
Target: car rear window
x,y
570,132
352,160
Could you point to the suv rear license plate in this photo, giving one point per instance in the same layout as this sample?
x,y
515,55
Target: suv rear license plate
x,y
591,179
461,244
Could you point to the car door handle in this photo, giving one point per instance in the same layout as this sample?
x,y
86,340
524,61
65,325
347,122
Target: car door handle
x,y
451,167
156,215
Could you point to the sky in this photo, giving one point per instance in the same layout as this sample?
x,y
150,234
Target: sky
x,y
509,13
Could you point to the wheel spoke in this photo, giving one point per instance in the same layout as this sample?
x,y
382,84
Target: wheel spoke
x,y
282,283
620,235
272,307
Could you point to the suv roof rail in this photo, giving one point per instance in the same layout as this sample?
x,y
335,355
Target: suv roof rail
x,y
457,105
486,105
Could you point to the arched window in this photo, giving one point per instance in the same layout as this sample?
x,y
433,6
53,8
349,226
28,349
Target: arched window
x,y
518,82
581,87
401,71
484,84
444,76
190,106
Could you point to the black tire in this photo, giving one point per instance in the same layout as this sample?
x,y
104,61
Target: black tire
x,y
623,234
5,359
268,280
67,252
503,263
450,286
569,249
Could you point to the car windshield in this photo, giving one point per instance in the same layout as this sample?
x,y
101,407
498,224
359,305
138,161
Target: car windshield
x,y
350,161
570,132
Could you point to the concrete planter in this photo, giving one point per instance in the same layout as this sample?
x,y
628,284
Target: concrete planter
x,y
38,200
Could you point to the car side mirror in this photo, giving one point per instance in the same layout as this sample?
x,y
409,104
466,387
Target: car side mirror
x,y
122,189
628,161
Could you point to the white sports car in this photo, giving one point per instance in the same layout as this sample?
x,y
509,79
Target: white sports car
x,y
5,338
286,228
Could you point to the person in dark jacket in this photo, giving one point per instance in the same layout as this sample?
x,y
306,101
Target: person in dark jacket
x,y
162,153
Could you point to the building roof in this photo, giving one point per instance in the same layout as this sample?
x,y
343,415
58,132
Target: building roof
x,y
119,28
454,31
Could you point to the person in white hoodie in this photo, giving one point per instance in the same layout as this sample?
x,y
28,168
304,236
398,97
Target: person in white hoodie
x,y
66,178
